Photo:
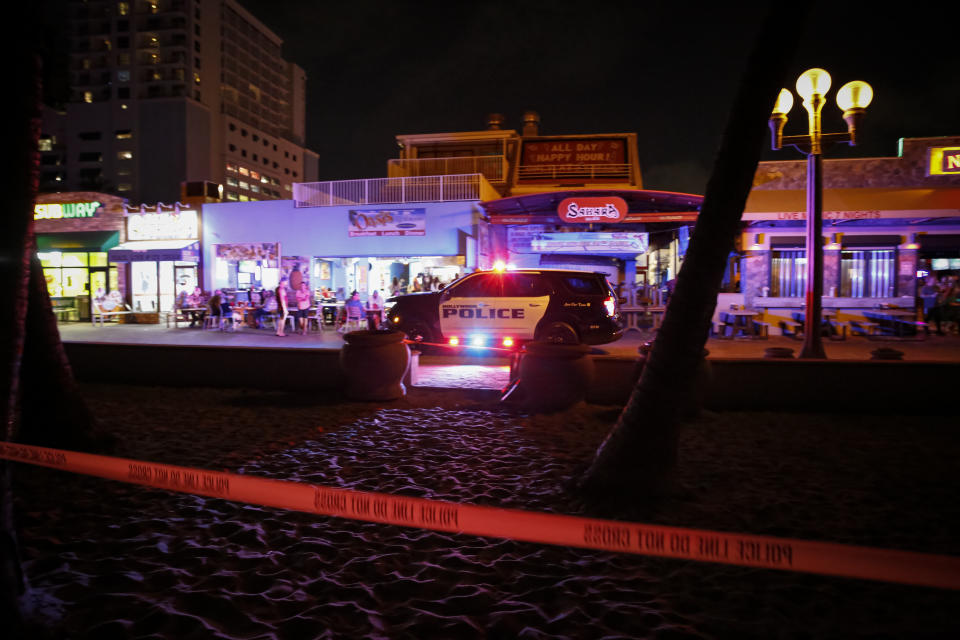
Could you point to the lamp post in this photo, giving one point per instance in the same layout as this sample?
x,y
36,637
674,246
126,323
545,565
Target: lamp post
x,y
853,98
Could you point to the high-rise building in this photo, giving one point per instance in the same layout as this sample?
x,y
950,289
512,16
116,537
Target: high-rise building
x,y
166,92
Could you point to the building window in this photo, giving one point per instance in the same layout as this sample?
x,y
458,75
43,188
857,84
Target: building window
x,y
123,75
232,195
90,156
867,273
125,155
232,182
46,143
88,96
123,8
123,93
231,167
232,147
788,273
244,171
89,135
124,186
244,184
124,134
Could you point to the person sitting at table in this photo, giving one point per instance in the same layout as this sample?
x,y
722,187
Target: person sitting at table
x,y
353,308
269,307
374,310
303,306
215,306
195,302
234,312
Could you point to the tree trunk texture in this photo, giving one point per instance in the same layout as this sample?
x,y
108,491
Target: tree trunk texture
x,y
637,458
15,232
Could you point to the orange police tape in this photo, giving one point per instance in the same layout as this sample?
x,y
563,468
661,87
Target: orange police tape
x,y
825,558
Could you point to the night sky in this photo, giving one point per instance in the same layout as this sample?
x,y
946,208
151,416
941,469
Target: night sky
x,y
665,70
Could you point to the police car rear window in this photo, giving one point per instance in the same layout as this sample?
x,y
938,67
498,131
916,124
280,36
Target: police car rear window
x,y
479,286
584,284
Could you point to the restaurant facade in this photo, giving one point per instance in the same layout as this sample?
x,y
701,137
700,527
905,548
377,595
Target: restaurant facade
x,y
344,246
888,223
74,233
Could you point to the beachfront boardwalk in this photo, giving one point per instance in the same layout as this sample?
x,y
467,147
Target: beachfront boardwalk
x,y
933,348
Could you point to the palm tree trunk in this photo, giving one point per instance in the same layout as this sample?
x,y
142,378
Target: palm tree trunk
x,y
15,231
639,454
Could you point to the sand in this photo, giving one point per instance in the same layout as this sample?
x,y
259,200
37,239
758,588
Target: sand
x,y
109,560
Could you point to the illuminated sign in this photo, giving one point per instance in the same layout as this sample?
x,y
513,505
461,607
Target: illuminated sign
x,y
65,210
591,242
575,151
605,209
944,161
164,225
387,222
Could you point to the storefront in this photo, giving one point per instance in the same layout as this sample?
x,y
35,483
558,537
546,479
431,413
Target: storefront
x,y
636,237
888,223
342,248
161,256
74,233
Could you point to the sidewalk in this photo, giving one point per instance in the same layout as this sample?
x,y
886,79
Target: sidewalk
x,y
932,348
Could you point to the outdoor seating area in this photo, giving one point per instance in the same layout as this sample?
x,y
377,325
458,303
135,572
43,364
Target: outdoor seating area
x,y
739,322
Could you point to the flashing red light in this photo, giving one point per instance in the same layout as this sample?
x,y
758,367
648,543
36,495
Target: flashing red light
x,y
454,341
508,342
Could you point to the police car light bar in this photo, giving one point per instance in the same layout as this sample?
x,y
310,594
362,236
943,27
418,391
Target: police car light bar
x,y
478,341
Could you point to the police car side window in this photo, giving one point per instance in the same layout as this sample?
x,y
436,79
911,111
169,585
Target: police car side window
x,y
481,286
586,285
523,285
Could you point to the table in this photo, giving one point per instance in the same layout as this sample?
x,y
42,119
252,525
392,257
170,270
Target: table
x,y
632,315
185,314
749,315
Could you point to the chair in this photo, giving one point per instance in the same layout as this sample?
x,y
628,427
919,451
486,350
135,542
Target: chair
x,y
316,318
356,317
214,322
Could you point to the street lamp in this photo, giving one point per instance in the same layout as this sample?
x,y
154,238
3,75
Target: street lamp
x,y
853,98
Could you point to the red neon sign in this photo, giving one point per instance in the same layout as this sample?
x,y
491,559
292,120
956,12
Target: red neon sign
x,y
602,209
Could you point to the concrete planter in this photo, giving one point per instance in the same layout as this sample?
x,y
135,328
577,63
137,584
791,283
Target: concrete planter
x,y
701,383
553,376
374,364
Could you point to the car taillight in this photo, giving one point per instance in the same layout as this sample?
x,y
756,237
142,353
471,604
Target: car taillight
x,y
610,304
454,341
508,342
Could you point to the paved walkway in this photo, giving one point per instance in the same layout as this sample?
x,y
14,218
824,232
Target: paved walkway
x,y
938,348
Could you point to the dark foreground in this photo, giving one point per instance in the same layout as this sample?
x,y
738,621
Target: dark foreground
x,y
107,560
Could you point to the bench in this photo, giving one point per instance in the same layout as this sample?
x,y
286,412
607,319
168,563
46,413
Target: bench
x,y
99,314
791,329
761,329
838,330
863,328
176,317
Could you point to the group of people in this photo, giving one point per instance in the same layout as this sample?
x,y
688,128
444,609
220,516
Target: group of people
x,y
423,282
303,297
940,301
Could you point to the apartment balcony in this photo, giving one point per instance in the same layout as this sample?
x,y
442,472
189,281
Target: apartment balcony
x,y
493,168
445,188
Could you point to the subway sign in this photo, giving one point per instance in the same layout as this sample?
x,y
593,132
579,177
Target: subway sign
x,y
65,210
944,161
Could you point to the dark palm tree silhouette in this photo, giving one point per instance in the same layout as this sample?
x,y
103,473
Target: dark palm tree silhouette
x,y
639,454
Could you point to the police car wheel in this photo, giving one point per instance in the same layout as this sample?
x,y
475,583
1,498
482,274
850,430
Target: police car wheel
x,y
420,331
558,333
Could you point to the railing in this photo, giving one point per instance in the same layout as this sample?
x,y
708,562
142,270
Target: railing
x,y
592,172
393,190
492,167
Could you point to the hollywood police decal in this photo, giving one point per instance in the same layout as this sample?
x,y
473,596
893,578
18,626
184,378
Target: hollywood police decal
x,y
473,312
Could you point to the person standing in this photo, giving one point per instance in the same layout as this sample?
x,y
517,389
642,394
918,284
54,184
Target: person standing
x,y
283,310
929,294
303,306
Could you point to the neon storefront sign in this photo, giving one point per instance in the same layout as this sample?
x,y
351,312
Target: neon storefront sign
x,y
66,210
163,225
603,209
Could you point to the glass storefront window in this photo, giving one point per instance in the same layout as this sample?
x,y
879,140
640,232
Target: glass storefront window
x,y
868,273
74,259
144,285
788,273
50,258
54,285
74,282
98,259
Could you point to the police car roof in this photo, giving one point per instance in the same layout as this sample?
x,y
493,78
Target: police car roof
x,y
539,270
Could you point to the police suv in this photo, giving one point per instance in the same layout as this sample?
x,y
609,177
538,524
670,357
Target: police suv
x,y
507,308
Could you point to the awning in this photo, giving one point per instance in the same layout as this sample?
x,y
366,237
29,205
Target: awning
x,y
643,206
84,240
859,204
156,251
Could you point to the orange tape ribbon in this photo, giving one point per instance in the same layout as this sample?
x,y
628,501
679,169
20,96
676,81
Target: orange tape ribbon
x,y
826,558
